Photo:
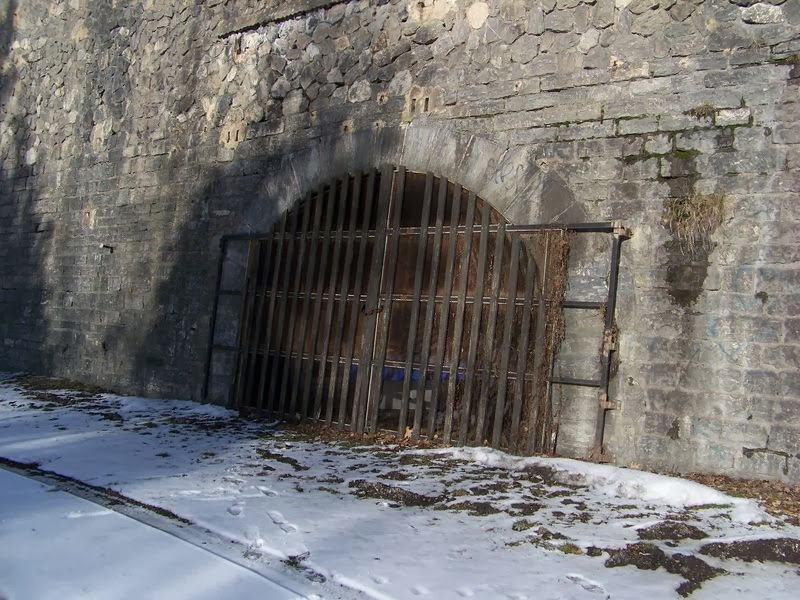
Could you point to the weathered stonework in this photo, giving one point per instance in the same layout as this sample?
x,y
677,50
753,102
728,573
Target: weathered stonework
x,y
134,135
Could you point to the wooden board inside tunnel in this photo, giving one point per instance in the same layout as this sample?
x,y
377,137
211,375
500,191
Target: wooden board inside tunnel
x,y
397,301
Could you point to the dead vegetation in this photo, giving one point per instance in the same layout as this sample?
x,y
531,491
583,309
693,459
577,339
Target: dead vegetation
x,y
778,499
702,111
783,550
650,557
694,217
673,531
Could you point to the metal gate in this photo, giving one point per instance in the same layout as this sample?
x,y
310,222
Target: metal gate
x,y
391,300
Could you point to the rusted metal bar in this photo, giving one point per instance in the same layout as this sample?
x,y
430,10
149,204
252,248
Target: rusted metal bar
x,y
603,404
489,333
412,326
341,311
262,380
535,432
243,333
430,310
592,383
475,333
296,268
312,251
266,247
356,304
447,292
516,444
372,306
317,310
458,324
223,247
275,405
601,227
508,327
332,304
382,332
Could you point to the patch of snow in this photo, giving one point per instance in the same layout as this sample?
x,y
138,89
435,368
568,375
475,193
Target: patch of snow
x,y
276,499
618,482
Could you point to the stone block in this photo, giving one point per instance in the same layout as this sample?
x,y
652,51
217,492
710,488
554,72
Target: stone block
x,y
633,126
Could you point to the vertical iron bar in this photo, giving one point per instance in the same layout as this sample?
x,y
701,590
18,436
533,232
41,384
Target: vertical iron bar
x,y
287,275
320,288
488,353
415,302
329,308
344,392
447,292
243,335
477,313
430,309
296,269
259,324
508,326
535,420
458,331
223,248
376,377
301,365
375,275
516,443
262,384
605,361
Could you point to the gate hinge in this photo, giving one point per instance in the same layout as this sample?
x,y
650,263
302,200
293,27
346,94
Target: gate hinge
x,y
621,230
609,341
598,456
606,404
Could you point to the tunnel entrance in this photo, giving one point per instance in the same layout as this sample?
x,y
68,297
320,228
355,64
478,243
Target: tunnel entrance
x,y
399,301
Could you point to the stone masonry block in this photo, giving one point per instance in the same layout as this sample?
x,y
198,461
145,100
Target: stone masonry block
x,y
631,126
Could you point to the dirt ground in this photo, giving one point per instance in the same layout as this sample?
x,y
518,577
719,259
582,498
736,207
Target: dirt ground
x,y
779,499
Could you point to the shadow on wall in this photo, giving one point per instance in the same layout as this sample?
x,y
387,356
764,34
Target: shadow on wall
x,y
249,194
26,234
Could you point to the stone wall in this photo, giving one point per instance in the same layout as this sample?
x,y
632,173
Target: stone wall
x,y
135,135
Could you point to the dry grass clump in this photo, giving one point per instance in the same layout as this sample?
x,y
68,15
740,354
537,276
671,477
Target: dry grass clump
x,y
703,111
693,218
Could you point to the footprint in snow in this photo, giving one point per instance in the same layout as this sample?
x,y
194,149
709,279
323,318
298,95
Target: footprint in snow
x,y
420,590
236,509
465,592
588,585
266,491
380,579
281,521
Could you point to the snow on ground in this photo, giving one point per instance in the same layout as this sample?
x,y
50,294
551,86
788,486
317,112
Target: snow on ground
x,y
383,522
54,545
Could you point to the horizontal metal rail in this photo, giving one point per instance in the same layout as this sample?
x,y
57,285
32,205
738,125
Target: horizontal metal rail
x,y
605,227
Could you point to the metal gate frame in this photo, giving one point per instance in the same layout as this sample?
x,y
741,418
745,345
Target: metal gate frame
x,y
378,300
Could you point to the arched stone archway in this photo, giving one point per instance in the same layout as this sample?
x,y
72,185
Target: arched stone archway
x,y
512,179
400,300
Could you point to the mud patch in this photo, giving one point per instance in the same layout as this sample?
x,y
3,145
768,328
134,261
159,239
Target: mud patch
x,y
671,530
650,557
526,509
474,509
43,384
297,563
783,550
374,489
398,476
287,460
